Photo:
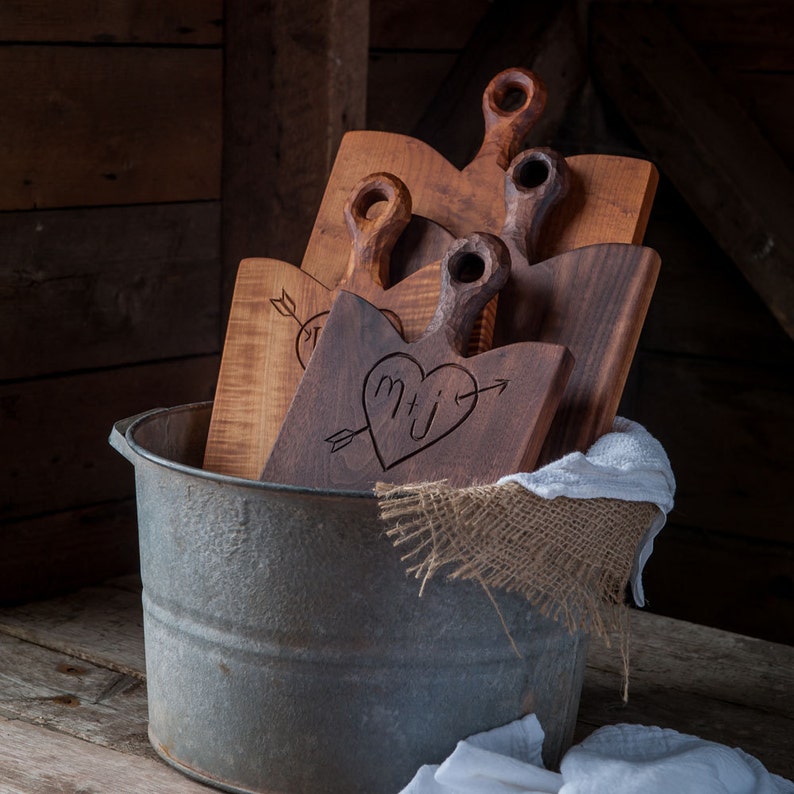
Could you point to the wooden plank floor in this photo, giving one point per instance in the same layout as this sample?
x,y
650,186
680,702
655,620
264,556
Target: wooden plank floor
x,y
73,693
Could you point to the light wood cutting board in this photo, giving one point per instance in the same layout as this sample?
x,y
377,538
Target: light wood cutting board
x,y
277,315
609,200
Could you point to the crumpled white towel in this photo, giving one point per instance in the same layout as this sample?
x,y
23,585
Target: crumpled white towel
x,y
627,463
616,759
505,760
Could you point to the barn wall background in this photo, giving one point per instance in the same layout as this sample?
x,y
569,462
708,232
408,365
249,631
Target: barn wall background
x,y
146,147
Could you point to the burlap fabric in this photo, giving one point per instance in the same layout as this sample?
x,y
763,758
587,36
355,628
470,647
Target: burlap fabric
x,y
571,558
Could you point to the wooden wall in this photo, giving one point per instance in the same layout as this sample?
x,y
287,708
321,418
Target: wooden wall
x,y
713,379
110,162
111,260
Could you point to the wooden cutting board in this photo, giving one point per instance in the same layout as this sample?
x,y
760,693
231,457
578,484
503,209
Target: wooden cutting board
x,y
460,201
372,407
542,181
592,300
609,199
277,315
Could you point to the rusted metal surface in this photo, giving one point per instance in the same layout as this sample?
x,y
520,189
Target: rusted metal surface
x,y
287,650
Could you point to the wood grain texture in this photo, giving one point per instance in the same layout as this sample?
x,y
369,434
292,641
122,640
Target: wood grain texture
x,y
510,34
55,431
278,313
117,21
102,625
751,593
593,301
40,761
98,126
609,201
702,305
83,546
74,696
460,201
714,155
727,688
305,61
371,407
81,289
728,429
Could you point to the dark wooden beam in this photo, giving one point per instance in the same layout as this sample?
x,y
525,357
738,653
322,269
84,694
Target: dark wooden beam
x,y
105,286
701,138
55,430
542,36
295,80
98,126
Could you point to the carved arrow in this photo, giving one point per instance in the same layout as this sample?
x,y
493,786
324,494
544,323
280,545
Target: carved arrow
x,y
500,383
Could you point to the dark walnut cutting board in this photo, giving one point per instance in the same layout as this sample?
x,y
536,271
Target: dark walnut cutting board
x,y
373,407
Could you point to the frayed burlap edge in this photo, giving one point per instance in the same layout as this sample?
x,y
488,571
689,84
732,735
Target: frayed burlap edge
x,y
570,558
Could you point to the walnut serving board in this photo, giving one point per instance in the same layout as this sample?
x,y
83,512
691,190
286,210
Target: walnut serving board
x,y
609,198
594,301
373,407
277,315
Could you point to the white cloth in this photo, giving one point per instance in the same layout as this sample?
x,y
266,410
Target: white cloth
x,y
616,759
627,463
502,761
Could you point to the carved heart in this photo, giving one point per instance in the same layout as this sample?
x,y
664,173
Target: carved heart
x,y
408,409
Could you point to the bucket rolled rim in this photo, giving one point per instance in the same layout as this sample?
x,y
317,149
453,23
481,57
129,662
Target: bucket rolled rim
x,y
136,422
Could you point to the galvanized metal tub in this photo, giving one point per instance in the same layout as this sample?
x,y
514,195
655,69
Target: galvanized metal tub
x,y
286,649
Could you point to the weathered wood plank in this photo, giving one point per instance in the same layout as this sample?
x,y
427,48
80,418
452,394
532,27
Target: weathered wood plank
x,y
656,702
703,140
443,24
100,625
88,288
59,552
73,696
769,101
736,583
732,668
306,62
401,86
702,305
539,36
103,125
117,21
36,760
55,431
728,429
738,35
720,686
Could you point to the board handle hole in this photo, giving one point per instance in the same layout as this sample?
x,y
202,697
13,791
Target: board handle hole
x,y
468,268
533,173
511,98
373,203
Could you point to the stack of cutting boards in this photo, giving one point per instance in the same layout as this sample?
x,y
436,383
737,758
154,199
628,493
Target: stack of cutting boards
x,y
443,324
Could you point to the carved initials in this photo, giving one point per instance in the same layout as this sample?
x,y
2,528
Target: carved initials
x,y
408,409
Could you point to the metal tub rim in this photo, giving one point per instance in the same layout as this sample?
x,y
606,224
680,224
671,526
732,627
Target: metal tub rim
x,y
124,434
